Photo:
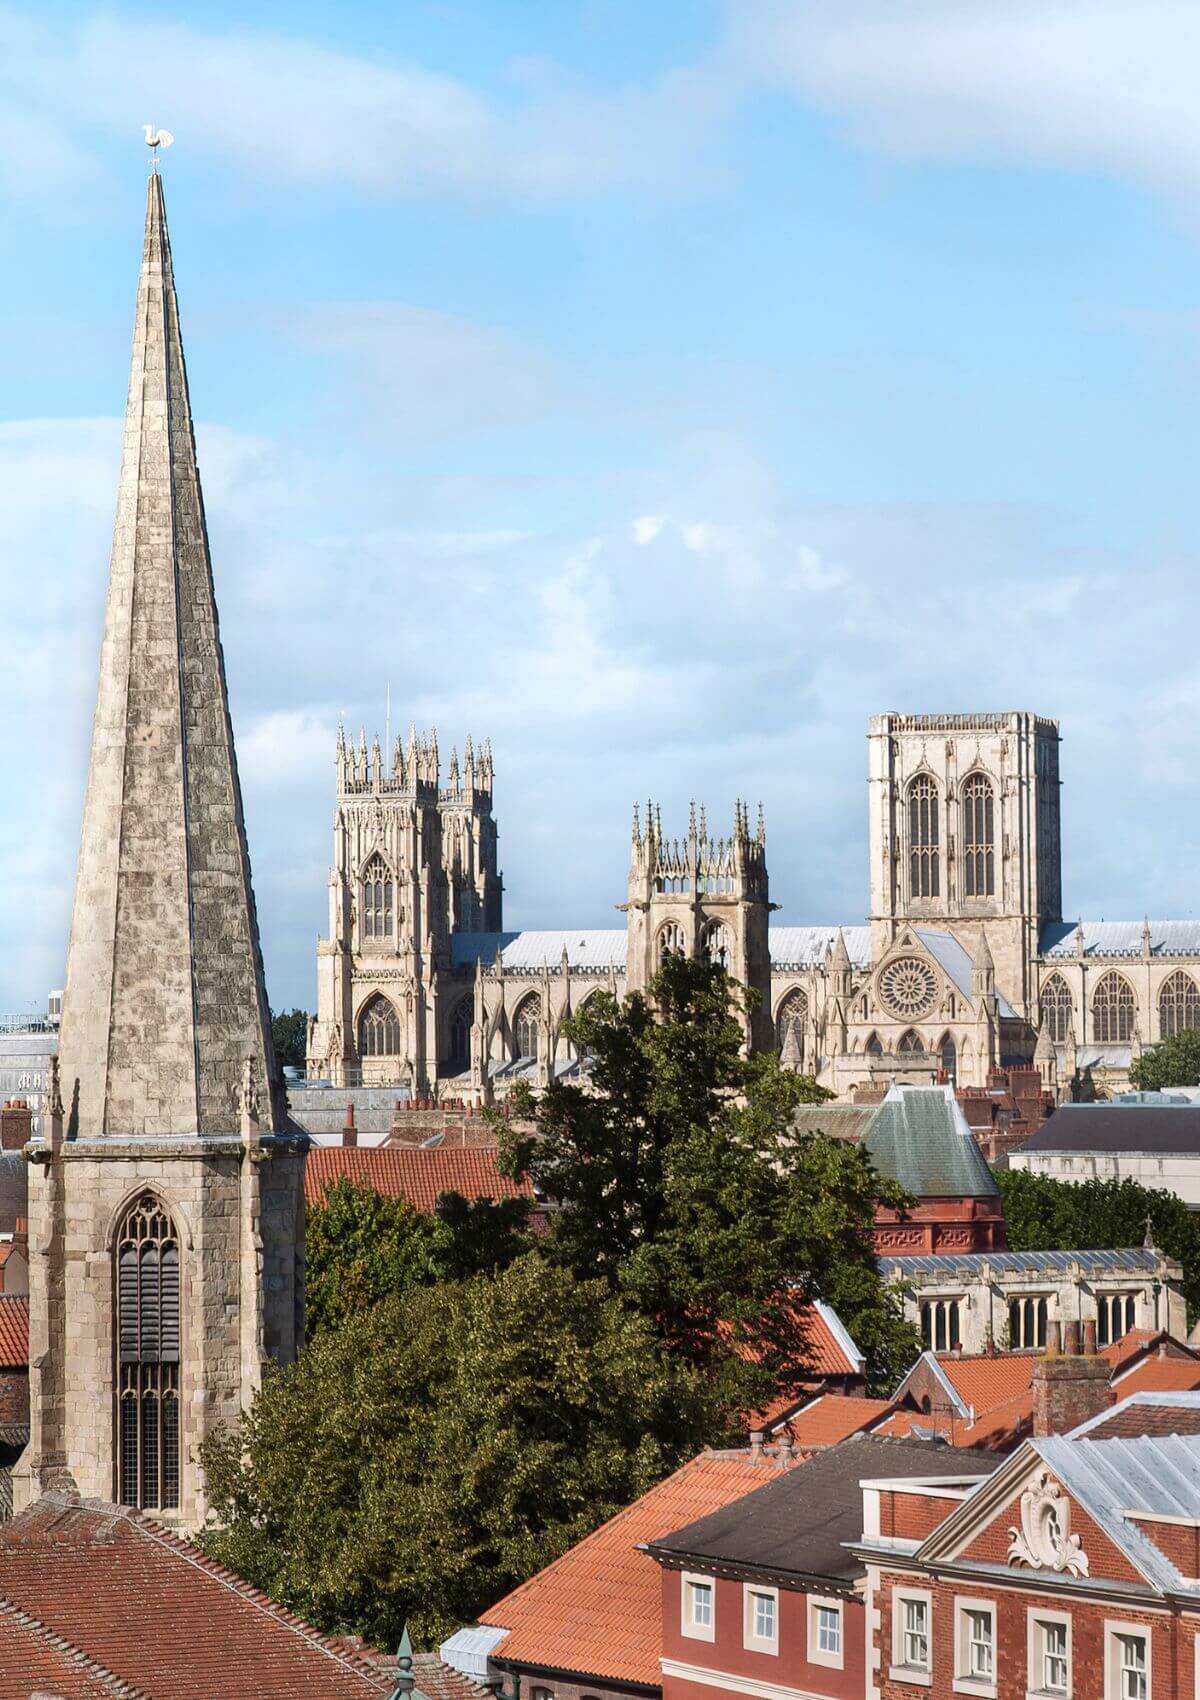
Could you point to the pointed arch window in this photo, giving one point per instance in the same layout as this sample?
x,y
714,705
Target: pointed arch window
x,y
527,1025
378,1029
911,1045
460,1032
718,949
147,1335
1178,1005
1113,1011
948,1056
793,1013
378,899
1057,1009
924,868
874,1046
671,940
979,837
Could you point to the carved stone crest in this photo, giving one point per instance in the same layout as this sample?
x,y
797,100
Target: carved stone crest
x,y
1044,1540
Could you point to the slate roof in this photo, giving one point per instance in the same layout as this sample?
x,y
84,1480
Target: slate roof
x,y
590,949
419,1173
439,1681
1120,938
805,947
597,1610
122,1592
14,1331
798,1525
1133,1128
973,1265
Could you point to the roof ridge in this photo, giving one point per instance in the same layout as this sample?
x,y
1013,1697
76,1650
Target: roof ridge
x,y
63,1644
150,1530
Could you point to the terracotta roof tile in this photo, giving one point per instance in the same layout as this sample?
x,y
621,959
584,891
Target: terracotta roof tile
x,y
1159,1375
984,1382
36,1662
418,1173
14,1331
597,1610
441,1681
161,1618
833,1417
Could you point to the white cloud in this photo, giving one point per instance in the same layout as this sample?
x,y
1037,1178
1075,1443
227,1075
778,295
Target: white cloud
x,y
1097,83
646,528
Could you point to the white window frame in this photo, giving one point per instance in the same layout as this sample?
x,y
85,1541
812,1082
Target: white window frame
x,y
689,1579
964,1682
899,1671
817,1655
751,1640
1035,1617
1113,1633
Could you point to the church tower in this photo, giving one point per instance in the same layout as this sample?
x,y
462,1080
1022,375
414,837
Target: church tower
x,y
166,1203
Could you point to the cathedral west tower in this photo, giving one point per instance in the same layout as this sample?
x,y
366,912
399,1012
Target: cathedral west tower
x,y
166,1204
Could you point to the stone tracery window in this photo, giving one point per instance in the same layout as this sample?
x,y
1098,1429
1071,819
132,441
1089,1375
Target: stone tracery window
x,y
670,940
378,1029
378,897
1113,1011
527,1029
908,987
978,837
1178,1005
793,1012
923,857
460,1032
911,1045
1057,1008
718,949
147,1335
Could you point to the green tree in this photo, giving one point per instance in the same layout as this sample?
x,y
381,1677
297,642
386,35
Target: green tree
x,y
1098,1215
439,1448
289,1035
1174,1062
362,1247
685,1185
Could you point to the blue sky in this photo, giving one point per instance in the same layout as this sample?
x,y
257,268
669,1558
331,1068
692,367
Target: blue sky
x,y
659,390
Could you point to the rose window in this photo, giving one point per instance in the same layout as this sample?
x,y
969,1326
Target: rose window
x,y
908,987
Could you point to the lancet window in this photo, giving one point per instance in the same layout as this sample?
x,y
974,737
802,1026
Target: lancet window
x,y
1057,1009
1178,1005
911,1045
948,1055
978,837
670,940
718,951
378,1029
378,899
527,1026
147,1334
793,1012
924,871
1113,1011
460,1032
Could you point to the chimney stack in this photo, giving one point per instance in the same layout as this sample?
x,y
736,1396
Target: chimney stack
x,y
349,1131
16,1125
1067,1391
1089,1337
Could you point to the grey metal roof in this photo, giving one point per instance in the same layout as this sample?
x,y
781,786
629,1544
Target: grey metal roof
x,y
800,1522
920,1138
1120,938
970,1265
1134,1128
805,947
1159,1473
589,949
955,962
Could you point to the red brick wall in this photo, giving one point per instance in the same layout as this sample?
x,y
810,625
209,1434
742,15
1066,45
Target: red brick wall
x,y
14,1396
1179,1541
991,1546
16,1125
911,1516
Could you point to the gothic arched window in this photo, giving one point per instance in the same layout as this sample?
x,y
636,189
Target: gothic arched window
x,y
378,1029
948,1055
378,894
793,1012
527,1025
1057,1008
147,1335
670,940
978,837
911,1045
874,1046
718,951
1113,1011
460,1032
923,860
1178,1005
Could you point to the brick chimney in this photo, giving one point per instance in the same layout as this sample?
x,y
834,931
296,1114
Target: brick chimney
x,y
1067,1391
349,1131
16,1125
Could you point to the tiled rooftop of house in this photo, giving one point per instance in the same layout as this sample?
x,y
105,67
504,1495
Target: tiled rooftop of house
x,y
597,1609
127,1603
14,1331
419,1174
831,1417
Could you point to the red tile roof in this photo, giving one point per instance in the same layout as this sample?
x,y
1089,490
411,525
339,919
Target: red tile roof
x,y
597,1610
35,1662
832,1417
1159,1375
421,1175
14,1331
143,1605
440,1682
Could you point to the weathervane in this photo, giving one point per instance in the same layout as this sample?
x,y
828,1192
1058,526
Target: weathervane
x,y
155,139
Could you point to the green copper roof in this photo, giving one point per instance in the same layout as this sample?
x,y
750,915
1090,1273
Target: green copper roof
x,y
917,1136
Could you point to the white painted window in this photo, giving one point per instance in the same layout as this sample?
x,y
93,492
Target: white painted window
x,y
912,1621
916,1634
1049,1651
975,1647
760,1618
1128,1662
825,1632
698,1607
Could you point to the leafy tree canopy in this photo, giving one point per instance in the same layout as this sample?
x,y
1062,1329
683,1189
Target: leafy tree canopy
x,y
1174,1062
437,1449
1049,1215
289,1035
685,1185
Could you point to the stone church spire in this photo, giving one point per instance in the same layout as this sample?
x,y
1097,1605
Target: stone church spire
x,y
165,1004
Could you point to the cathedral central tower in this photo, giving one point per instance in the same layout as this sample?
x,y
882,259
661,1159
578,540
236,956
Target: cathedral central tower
x,y
166,1204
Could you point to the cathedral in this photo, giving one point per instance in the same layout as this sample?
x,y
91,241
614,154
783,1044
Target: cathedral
x,y
965,964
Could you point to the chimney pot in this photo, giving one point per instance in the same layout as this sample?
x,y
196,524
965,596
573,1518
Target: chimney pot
x,y
756,1443
1071,1340
349,1131
1089,1337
